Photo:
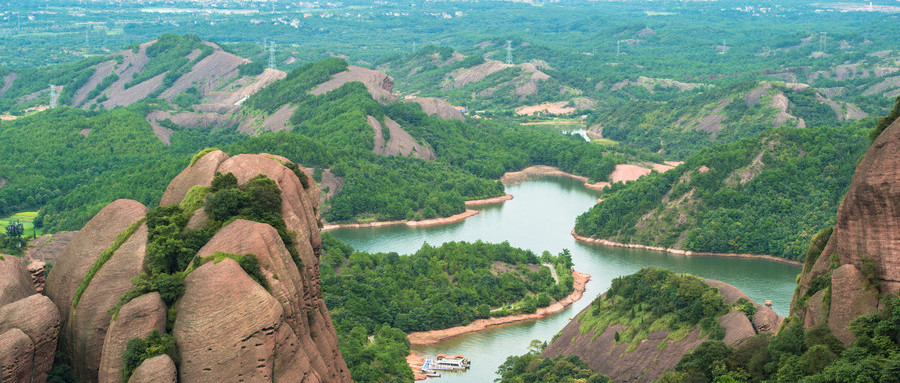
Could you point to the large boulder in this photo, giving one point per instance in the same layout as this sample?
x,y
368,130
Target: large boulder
x,y
200,173
16,356
136,319
158,369
225,326
98,234
15,280
89,322
37,317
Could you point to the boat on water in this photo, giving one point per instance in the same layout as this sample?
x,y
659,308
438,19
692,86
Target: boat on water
x,y
444,363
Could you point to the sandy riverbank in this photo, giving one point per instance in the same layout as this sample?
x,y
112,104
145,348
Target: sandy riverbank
x,y
489,201
605,242
431,337
416,361
538,171
425,222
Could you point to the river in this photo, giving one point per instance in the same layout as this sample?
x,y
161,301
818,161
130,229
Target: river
x,y
541,217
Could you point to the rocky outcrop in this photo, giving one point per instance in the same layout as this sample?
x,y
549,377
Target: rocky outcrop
x,y
29,326
243,345
228,327
651,357
136,319
78,256
200,173
863,251
433,106
379,85
16,282
16,356
158,369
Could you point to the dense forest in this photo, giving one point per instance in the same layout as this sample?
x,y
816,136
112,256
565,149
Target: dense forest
x,y
763,195
530,367
388,295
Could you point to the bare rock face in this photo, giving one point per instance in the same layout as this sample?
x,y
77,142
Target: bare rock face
x,y
136,319
850,298
78,256
231,335
158,369
648,361
37,317
15,280
866,236
200,173
737,327
437,107
88,323
16,350
764,321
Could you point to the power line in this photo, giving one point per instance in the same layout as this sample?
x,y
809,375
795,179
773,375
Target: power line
x,y
272,55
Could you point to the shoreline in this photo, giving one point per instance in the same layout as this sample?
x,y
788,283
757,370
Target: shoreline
x,y
537,171
424,338
427,222
489,201
606,242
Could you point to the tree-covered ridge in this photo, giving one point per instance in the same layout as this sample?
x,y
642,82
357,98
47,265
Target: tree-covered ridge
x,y
70,163
653,300
762,195
387,295
531,367
797,354
438,287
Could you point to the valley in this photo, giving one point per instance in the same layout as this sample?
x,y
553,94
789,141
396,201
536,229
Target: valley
x,y
567,191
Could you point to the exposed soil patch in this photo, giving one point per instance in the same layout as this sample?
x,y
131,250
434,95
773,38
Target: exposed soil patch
x,y
437,107
554,108
276,122
233,95
752,97
478,72
7,82
377,83
132,64
883,87
843,112
85,132
781,102
2,182
208,74
627,172
399,143
713,122
103,69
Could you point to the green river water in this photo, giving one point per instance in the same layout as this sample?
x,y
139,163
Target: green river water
x,y
541,217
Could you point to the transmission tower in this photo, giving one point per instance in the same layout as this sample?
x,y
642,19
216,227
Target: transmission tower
x,y
272,55
618,47
724,48
87,36
509,52
53,97
823,38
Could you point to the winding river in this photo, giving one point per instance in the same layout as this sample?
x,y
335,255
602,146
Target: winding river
x,y
540,217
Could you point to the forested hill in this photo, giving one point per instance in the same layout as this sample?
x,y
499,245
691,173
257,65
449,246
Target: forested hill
x,y
69,162
763,195
180,69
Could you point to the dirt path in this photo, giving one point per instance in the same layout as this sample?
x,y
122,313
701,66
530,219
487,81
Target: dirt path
x,y
431,337
604,242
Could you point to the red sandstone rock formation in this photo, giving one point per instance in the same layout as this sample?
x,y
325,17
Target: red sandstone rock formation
x,y
228,327
29,326
648,362
865,240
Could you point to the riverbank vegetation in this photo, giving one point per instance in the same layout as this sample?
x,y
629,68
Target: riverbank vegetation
x,y
653,300
531,367
763,195
387,294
